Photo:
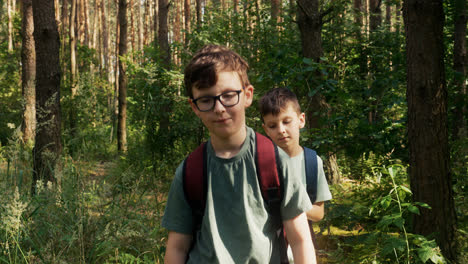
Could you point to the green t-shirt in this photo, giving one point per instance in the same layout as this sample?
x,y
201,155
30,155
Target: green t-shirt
x,y
236,227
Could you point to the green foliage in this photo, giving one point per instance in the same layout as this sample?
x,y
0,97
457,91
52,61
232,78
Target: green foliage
x,y
10,92
381,211
86,217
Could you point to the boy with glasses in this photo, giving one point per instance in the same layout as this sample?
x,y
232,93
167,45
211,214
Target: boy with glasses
x,y
236,226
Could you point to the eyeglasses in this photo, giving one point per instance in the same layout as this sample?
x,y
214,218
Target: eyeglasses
x,y
207,103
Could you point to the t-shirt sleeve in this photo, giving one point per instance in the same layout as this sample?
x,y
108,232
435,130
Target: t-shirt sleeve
x,y
323,192
295,199
178,213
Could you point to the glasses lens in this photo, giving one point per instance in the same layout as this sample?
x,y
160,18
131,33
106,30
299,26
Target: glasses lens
x,y
205,103
230,98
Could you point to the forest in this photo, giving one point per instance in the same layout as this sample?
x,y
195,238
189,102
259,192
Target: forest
x,y
94,120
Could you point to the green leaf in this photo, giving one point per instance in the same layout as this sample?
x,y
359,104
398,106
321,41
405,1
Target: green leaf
x,y
413,209
393,243
307,61
424,253
406,189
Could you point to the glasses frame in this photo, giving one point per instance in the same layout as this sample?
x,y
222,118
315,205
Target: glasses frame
x,y
217,97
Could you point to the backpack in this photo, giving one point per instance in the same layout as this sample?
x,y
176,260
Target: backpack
x,y
269,175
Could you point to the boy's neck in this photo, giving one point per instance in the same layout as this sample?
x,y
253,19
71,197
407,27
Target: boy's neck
x,y
228,147
293,151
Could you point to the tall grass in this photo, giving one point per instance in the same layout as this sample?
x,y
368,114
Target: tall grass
x,y
95,213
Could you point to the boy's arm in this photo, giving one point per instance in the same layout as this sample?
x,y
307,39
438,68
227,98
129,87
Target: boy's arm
x,y
317,212
297,232
177,248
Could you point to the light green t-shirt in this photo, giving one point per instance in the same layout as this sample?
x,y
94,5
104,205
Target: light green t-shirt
x,y
236,227
323,192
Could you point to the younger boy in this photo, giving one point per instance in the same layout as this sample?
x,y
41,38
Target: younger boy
x,y
236,227
282,120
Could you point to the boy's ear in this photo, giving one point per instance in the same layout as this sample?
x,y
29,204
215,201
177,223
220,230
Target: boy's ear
x,y
249,90
302,120
193,106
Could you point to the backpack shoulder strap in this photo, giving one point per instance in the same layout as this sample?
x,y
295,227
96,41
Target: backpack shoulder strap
x,y
270,178
194,182
268,171
310,159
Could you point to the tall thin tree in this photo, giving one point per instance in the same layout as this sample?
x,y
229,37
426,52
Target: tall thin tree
x,y
10,12
48,146
310,21
429,171
122,117
28,73
459,127
187,20
163,37
73,67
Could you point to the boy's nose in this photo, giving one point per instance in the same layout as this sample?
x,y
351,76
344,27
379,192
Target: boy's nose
x,y
281,129
218,107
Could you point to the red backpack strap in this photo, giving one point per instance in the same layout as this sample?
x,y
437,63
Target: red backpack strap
x,y
268,172
194,182
270,178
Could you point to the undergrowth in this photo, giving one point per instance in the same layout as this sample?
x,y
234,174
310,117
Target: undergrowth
x,y
96,213
110,212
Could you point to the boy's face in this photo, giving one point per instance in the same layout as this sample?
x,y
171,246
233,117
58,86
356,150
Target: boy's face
x,y
284,128
224,121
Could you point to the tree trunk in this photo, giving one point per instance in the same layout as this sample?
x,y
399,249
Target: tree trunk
x,y
73,67
86,23
122,119
429,170
198,7
10,12
375,14
57,12
459,127
176,28
310,26
163,40
156,20
275,10
96,25
362,60
375,21
132,25
388,15
28,74
48,147
139,26
187,20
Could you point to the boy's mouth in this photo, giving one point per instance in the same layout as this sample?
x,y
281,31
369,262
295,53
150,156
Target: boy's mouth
x,y
223,120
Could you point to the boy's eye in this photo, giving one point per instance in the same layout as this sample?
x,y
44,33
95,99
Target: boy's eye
x,y
271,126
205,100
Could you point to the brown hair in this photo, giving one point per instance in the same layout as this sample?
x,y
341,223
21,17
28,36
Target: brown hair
x,y
202,71
277,99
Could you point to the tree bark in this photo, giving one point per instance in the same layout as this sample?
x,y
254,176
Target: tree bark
x,y
28,74
309,20
459,127
10,12
430,176
198,7
132,25
122,118
73,67
48,147
187,20
163,40
375,14
275,10
375,21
